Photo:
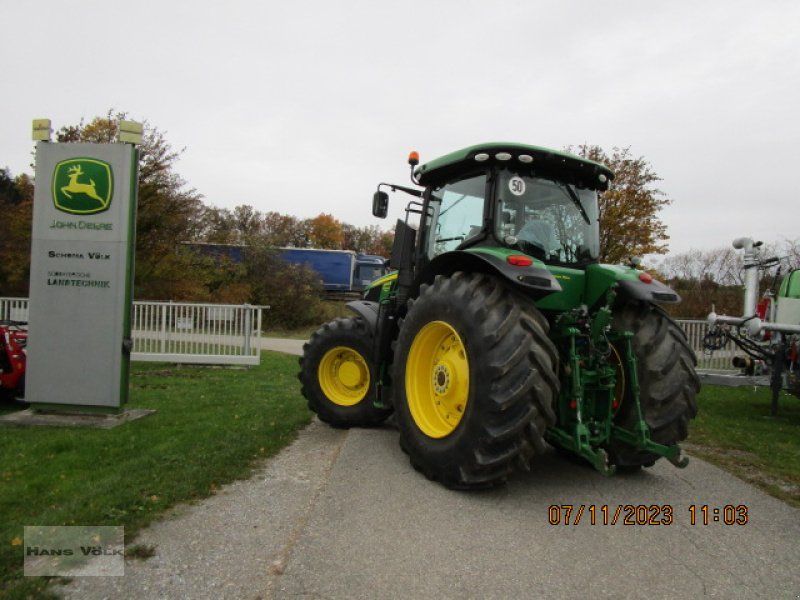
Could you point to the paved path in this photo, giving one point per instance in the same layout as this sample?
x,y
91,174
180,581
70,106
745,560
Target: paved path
x,y
341,514
283,345
380,530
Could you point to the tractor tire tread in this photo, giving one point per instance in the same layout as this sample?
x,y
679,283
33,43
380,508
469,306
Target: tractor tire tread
x,y
512,392
343,331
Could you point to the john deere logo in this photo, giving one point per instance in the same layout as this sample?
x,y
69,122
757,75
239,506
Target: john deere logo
x,y
82,186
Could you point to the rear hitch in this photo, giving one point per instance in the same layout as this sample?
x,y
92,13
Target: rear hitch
x,y
677,459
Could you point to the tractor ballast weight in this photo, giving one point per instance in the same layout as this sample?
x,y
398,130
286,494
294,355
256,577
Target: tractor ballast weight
x,y
500,331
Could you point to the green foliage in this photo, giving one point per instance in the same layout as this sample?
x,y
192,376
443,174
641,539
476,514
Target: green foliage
x,y
211,427
293,292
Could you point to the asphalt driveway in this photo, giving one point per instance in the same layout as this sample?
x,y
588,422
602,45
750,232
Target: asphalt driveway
x,y
341,514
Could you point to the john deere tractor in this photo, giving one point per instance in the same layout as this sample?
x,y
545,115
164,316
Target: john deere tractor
x,y
499,332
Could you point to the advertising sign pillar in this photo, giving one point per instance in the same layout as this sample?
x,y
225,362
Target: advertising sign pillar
x,y
81,287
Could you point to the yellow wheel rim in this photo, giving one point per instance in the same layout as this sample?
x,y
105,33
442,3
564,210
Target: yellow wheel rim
x,y
437,379
343,376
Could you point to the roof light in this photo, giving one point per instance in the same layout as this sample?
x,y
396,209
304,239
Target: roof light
x,y
502,156
602,178
482,157
413,158
525,158
519,260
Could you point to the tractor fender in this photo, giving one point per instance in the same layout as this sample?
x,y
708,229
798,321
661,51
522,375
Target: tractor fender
x,y
368,311
655,291
533,280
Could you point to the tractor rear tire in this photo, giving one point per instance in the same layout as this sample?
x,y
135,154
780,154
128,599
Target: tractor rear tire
x,y
474,381
338,375
668,383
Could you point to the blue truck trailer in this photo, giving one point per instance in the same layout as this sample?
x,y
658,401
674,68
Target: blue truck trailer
x,y
339,270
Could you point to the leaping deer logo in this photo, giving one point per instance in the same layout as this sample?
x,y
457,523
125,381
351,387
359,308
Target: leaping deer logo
x,y
82,186
75,187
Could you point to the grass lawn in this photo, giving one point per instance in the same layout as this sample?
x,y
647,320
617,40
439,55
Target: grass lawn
x,y
212,426
291,334
733,429
331,310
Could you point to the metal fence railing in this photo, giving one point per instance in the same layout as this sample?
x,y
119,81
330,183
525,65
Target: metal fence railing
x,y
14,309
196,333
183,332
720,360
229,333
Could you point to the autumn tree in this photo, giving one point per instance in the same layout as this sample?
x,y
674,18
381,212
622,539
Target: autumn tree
x,y
325,232
629,221
168,212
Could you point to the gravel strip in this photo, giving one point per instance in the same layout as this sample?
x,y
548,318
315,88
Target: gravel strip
x,y
235,543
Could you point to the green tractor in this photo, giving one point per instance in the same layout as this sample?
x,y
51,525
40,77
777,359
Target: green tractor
x,y
499,332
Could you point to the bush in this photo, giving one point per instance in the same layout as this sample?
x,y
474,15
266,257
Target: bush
x,y
293,292
293,295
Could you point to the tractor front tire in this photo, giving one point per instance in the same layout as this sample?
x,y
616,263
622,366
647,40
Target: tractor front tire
x,y
474,381
668,383
338,375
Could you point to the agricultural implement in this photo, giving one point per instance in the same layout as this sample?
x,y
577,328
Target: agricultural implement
x,y
768,332
500,332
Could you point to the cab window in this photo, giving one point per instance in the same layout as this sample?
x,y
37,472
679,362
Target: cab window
x,y
457,212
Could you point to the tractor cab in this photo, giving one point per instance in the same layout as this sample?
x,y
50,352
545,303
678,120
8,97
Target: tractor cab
x,y
526,199
525,213
553,221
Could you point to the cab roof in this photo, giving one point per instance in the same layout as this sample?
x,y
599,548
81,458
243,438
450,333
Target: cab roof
x,y
542,161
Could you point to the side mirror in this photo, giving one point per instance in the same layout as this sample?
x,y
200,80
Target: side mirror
x,y
380,204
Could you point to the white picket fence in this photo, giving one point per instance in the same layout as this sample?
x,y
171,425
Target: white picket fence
x,y
229,333
183,332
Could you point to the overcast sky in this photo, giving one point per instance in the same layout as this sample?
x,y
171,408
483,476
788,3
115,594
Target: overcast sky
x,y
303,107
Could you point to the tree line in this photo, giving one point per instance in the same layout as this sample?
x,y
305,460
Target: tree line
x,y
715,277
172,219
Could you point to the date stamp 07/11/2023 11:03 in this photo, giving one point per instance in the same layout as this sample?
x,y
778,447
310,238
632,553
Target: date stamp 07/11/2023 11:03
x,y
644,514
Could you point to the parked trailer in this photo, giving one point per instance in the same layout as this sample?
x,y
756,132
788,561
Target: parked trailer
x,y
339,270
